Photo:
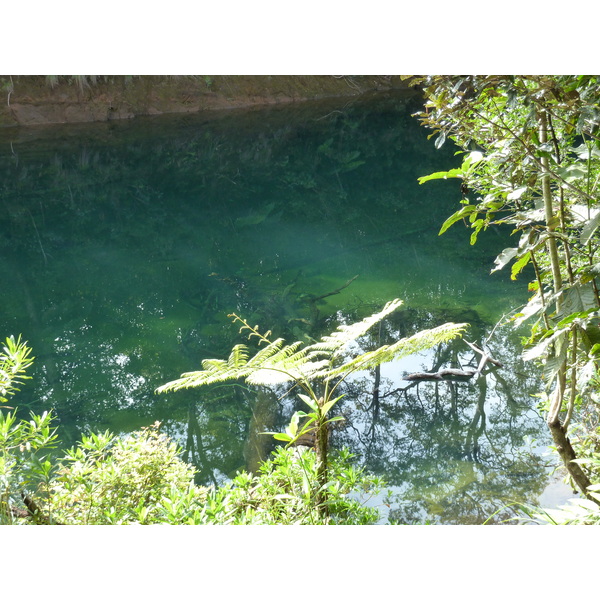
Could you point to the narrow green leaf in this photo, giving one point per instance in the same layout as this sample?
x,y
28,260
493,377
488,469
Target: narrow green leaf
x,y
292,428
439,142
457,216
477,226
307,400
451,174
327,406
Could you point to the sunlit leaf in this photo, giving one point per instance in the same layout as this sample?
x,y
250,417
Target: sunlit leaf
x,y
311,403
516,194
465,211
590,226
451,174
520,265
578,298
504,258
328,405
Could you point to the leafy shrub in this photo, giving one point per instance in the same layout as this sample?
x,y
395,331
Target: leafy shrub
x,y
105,480
142,480
23,462
286,489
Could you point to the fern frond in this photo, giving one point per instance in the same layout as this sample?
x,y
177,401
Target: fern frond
x,y
268,353
213,371
423,340
238,357
346,334
278,363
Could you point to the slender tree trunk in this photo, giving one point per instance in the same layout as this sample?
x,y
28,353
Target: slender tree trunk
x,y
557,429
567,454
322,450
551,221
556,404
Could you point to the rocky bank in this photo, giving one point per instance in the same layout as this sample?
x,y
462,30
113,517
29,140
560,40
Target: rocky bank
x,y
44,100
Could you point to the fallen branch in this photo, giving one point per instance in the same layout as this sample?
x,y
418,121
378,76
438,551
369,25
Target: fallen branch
x,y
457,374
485,356
334,291
442,375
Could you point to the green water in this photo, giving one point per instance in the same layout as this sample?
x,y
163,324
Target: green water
x,y
127,244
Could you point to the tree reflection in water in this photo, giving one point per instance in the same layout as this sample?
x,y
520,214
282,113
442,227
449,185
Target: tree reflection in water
x,y
456,451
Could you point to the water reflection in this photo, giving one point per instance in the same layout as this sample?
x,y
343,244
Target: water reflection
x,y
127,244
456,451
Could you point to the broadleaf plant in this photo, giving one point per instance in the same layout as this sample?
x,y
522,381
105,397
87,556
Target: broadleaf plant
x,y
538,171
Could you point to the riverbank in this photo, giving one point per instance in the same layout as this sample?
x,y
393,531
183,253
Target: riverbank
x,y
46,100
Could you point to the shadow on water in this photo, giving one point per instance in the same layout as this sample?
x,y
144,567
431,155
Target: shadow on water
x,y
126,245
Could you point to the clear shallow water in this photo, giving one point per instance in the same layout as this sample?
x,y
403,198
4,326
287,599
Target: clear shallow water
x,y
126,245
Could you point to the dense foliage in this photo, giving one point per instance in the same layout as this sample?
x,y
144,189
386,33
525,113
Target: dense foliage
x,y
531,160
142,478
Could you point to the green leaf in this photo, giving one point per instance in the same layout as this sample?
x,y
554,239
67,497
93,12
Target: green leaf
x,y
471,160
533,307
477,226
590,226
327,406
311,403
439,142
451,174
457,216
539,349
572,173
520,265
578,298
516,194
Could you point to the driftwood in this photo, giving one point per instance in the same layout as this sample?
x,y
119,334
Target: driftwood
x,y
457,374
485,357
442,375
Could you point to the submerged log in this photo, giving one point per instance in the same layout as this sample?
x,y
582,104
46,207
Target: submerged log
x,y
442,375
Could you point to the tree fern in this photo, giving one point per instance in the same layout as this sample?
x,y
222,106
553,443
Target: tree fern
x,y
278,363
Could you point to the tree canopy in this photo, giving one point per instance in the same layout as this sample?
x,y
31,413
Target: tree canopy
x,y
530,148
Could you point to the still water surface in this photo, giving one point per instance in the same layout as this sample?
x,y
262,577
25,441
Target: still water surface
x,y
126,245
